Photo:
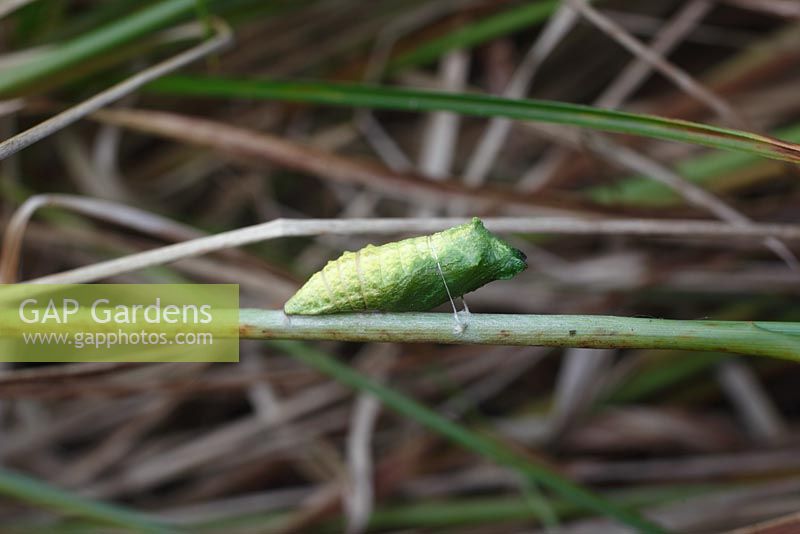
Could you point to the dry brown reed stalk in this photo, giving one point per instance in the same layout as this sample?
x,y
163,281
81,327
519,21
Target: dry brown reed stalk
x,y
488,148
221,39
683,79
251,145
622,87
311,227
248,270
112,212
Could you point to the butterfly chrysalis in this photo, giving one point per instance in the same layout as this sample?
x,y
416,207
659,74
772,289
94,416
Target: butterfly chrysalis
x,y
410,275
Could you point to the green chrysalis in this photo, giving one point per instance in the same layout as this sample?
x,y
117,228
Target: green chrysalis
x,y
409,275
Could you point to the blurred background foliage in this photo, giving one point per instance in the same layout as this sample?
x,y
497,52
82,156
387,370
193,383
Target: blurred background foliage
x,y
335,96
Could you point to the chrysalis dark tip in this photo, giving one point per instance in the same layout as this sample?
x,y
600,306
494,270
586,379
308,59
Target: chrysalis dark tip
x,y
520,256
514,263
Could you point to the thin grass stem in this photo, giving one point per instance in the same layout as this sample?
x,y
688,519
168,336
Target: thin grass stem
x,y
35,492
774,339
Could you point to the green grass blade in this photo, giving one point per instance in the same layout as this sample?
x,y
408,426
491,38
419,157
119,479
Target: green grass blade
x,y
37,493
708,170
92,43
473,34
670,369
455,513
476,443
393,98
491,510
79,23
